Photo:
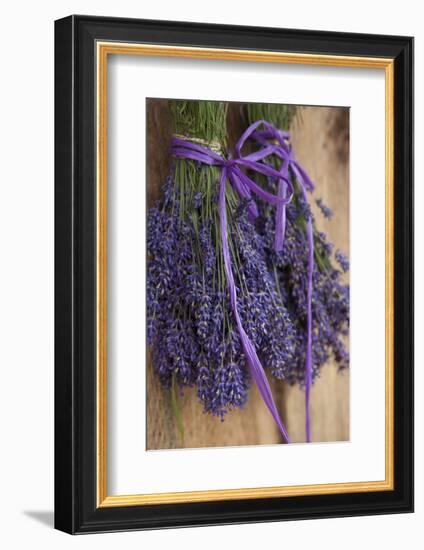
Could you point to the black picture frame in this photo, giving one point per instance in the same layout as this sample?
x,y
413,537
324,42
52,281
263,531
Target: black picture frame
x,y
76,509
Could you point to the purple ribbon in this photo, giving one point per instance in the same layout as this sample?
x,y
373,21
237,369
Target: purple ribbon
x,y
245,186
276,141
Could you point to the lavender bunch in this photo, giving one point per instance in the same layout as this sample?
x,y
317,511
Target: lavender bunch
x,y
330,299
191,327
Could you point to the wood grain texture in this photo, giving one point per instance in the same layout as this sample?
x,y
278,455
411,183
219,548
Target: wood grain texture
x,y
321,142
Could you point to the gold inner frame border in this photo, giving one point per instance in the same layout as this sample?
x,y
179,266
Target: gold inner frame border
x,y
103,50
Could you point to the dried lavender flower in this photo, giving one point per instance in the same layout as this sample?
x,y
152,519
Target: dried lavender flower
x,y
326,211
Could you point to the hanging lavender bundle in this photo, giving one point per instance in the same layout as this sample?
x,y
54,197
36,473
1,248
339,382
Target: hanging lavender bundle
x,y
214,309
330,296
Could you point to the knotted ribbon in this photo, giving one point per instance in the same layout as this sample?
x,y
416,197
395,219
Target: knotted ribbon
x,y
231,170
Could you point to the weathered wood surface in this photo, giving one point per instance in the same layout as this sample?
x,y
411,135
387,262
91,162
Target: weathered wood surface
x,y
320,142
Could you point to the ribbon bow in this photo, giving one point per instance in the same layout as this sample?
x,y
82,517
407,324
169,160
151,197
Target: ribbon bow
x,y
231,170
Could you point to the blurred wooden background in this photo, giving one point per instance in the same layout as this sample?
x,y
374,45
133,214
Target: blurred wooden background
x,y
320,138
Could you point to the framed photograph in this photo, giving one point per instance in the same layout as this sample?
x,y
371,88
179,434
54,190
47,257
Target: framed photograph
x,y
234,274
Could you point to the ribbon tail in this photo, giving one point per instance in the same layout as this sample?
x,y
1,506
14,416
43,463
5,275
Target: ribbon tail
x,y
260,378
258,373
305,184
280,216
302,176
308,362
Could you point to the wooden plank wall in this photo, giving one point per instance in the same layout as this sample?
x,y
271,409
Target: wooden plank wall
x,y
320,140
